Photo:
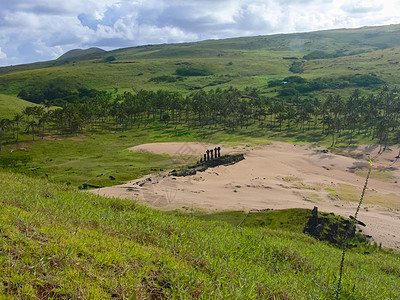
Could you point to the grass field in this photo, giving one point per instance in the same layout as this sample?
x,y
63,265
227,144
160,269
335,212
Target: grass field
x,y
293,220
10,106
61,243
94,159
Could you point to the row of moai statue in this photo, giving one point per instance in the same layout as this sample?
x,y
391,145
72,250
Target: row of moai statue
x,y
211,154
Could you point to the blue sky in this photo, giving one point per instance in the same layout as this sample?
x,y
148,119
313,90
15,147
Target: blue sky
x,y
37,30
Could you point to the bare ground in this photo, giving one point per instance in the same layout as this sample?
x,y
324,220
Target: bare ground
x,y
279,176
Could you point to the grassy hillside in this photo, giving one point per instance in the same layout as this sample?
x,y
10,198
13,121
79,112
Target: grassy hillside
x,y
10,106
238,62
60,243
77,53
92,159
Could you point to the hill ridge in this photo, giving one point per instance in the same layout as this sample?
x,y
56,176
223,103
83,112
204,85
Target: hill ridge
x,y
81,52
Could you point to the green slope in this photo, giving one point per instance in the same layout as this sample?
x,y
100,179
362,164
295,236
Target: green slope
x,y
238,62
10,106
61,243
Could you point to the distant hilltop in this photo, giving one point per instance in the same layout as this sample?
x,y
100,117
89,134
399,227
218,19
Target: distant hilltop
x,y
81,52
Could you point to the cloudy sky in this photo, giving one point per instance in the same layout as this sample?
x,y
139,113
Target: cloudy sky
x,y
36,30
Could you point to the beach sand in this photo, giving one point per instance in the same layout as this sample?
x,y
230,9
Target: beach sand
x,y
277,176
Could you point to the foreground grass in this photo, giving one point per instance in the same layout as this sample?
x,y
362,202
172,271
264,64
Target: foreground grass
x,y
57,242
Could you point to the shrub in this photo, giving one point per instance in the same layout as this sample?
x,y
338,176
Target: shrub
x,y
192,72
274,83
109,58
14,160
319,54
295,79
296,67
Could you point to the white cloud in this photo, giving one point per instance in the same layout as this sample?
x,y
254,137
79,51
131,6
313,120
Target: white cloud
x,y
32,30
362,6
2,54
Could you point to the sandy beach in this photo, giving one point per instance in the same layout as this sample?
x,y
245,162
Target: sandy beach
x,y
278,176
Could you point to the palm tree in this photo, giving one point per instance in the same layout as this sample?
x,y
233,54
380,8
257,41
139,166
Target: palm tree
x,y
31,126
17,119
4,124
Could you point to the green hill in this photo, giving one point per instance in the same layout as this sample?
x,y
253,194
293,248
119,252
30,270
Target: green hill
x,y
75,53
10,106
238,62
61,243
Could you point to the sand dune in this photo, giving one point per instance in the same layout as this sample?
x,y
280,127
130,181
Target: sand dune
x,y
276,176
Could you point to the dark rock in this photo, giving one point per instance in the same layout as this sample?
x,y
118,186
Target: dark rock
x,y
357,221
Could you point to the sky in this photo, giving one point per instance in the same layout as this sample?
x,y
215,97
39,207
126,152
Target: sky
x,y
39,30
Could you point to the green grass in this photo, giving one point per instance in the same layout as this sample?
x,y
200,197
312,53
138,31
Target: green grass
x,y
61,243
92,159
10,106
293,220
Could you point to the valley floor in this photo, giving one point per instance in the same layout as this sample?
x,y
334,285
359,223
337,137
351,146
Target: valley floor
x,y
280,176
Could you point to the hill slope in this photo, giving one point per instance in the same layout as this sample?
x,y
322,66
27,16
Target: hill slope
x,y
61,243
10,106
80,52
238,62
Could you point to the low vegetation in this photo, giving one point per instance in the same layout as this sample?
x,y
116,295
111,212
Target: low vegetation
x,y
58,242
61,243
192,72
11,106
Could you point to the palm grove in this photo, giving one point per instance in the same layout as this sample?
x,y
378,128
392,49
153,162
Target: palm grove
x,y
342,118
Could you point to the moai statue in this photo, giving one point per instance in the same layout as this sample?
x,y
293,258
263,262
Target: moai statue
x,y
315,212
208,154
215,152
212,157
219,151
205,157
201,160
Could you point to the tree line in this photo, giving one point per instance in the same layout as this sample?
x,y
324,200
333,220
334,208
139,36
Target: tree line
x,y
375,115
